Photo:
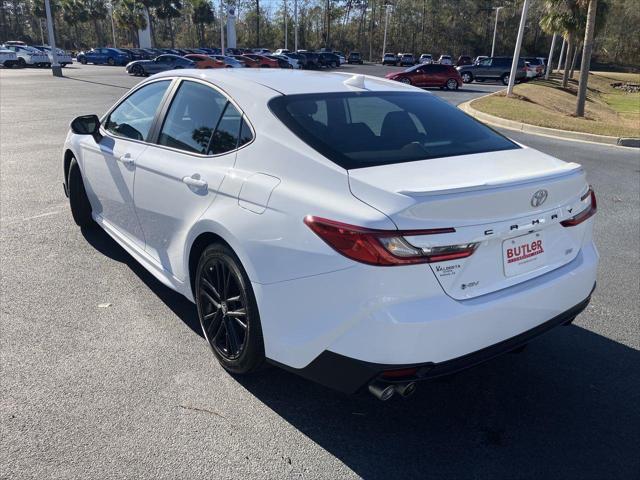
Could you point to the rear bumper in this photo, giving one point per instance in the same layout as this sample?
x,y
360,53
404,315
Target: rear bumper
x,y
349,375
392,317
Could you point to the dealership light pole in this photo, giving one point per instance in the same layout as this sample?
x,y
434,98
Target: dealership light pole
x,y
516,52
550,59
386,23
222,27
55,66
295,27
286,31
495,31
113,26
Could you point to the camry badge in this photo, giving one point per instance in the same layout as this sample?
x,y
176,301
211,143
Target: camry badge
x,y
539,198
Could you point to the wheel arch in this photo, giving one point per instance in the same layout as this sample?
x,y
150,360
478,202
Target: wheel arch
x,y
204,234
68,156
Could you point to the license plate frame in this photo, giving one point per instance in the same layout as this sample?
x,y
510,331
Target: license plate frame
x,y
523,254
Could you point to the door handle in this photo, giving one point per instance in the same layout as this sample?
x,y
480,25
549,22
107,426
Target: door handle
x,y
195,181
126,159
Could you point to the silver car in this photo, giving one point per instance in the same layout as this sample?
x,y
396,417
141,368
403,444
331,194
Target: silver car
x,y
29,56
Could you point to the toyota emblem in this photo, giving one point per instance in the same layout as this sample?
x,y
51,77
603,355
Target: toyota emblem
x,y
539,198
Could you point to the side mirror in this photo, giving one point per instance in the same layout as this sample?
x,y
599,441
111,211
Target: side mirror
x,y
86,125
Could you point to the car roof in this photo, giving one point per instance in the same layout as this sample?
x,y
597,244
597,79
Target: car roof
x,y
272,82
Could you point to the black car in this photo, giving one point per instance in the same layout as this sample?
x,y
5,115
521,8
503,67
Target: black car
x,y
328,60
133,55
492,68
311,60
355,57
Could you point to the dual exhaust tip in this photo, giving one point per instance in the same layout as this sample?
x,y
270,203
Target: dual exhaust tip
x,y
384,391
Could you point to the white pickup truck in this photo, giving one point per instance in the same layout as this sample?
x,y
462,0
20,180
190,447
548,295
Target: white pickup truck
x,y
64,58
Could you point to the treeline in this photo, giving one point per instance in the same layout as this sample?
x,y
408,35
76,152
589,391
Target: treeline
x,y
453,27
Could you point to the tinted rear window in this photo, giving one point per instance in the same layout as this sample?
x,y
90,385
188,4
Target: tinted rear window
x,y
365,129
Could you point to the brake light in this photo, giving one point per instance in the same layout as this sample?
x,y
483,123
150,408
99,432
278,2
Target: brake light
x,y
587,213
384,247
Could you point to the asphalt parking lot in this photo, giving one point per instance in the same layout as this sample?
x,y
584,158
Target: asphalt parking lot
x,y
104,373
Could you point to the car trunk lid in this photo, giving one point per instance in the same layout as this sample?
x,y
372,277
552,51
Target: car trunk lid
x,y
494,199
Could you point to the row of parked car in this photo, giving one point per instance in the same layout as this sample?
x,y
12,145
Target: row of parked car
x,y
486,68
19,54
535,66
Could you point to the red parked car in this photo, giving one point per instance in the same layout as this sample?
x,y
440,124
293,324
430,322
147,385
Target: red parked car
x,y
205,61
265,62
434,75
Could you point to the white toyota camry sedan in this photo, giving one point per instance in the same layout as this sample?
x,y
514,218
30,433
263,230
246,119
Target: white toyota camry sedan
x,y
357,231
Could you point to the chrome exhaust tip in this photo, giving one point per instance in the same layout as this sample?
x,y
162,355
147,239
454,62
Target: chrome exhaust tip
x,y
406,389
382,391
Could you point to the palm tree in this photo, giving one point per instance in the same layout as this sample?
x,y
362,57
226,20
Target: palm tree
x,y
74,13
96,11
594,12
562,16
129,15
168,10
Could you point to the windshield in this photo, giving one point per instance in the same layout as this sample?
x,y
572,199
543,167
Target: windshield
x,y
365,129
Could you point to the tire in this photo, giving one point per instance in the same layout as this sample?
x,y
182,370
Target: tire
x,y
111,62
222,287
21,63
505,79
78,199
83,61
137,70
406,81
467,77
452,84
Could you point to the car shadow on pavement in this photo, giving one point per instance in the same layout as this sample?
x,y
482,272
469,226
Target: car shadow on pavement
x,y
567,407
179,305
124,87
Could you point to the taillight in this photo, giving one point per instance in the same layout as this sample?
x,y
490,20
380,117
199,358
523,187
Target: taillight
x,y
384,247
587,213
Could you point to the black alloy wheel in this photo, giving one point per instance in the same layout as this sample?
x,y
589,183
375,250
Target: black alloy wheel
x,y
111,61
137,70
228,311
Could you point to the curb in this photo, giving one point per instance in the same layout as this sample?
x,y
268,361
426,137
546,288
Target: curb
x,y
552,132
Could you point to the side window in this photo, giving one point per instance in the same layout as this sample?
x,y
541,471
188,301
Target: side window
x,y
245,134
194,114
225,138
133,117
485,63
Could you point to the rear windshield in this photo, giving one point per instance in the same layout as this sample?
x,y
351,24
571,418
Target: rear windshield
x,y
366,129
